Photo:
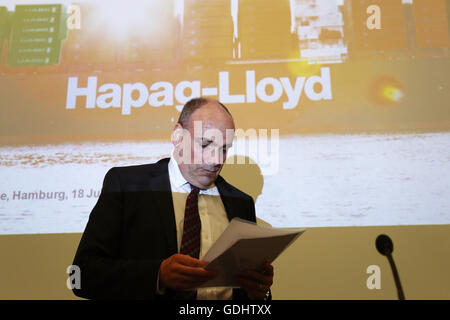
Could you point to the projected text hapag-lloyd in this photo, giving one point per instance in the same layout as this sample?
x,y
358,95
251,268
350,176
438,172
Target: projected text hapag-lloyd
x,y
163,93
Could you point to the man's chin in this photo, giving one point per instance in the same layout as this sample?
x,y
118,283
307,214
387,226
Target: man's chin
x,y
207,180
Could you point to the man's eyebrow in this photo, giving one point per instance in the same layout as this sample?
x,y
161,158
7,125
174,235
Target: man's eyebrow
x,y
212,141
206,140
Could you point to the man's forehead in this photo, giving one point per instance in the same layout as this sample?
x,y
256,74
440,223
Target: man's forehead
x,y
199,127
212,133
213,114
213,124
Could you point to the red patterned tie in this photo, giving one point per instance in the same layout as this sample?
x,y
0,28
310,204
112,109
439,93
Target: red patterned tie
x,y
190,242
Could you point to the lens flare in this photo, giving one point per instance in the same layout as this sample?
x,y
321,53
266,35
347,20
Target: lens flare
x,y
386,91
302,67
392,93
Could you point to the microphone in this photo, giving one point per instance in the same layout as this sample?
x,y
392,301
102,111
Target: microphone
x,y
385,247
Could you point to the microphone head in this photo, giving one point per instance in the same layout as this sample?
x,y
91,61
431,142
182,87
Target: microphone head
x,y
384,244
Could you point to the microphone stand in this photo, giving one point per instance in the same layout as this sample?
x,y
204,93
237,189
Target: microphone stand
x,y
385,246
401,295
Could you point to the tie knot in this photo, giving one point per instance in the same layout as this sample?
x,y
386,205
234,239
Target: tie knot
x,y
194,188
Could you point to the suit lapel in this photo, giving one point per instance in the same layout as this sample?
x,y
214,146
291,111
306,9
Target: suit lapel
x,y
226,194
162,197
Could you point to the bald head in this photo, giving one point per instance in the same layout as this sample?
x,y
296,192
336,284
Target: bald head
x,y
197,103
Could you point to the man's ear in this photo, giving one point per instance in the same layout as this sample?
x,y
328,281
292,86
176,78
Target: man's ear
x,y
177,135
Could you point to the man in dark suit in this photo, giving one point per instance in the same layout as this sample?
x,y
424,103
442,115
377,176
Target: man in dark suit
x,y
137,243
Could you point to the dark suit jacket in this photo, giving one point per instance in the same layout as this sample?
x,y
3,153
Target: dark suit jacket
x,y
132,229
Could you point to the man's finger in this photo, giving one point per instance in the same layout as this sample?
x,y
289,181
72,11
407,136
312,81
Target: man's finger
x,y
267,268
253,283
184,282
195,272
193,267
252,286
257,277
190,261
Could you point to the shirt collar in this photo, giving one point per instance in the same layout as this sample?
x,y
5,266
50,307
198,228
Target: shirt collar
x,y
176,178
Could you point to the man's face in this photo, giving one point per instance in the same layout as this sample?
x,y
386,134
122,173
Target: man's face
x,y
201,149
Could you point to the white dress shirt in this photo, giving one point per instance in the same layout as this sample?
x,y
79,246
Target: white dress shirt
x,y
213,218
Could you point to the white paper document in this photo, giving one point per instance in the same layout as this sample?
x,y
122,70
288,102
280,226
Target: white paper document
x,y
245,245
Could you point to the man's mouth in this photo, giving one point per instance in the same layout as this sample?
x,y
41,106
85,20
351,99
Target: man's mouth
x,y
210,171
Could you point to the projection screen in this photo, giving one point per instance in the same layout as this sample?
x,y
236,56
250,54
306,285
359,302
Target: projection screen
x,y
342,107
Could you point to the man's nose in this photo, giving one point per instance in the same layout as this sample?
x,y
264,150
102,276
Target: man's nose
x,y
214,158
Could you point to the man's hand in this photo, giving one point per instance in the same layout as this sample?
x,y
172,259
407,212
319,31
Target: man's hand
x,y
182,272
256,282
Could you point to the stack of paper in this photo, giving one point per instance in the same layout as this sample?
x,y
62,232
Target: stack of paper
x,y
245,245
